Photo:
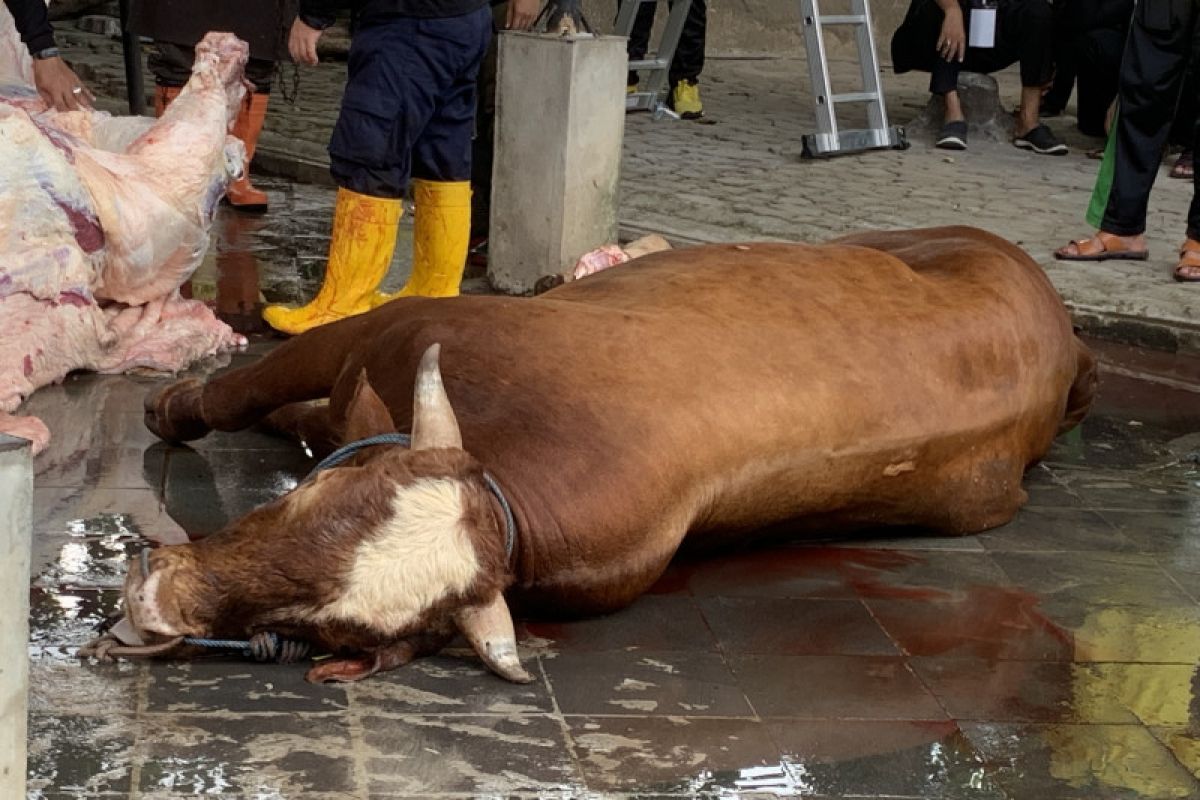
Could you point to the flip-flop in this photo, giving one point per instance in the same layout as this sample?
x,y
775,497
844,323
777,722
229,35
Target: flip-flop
x,y
1105,252
1188,268
1184,167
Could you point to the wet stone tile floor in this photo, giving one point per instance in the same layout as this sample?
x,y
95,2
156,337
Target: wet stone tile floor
x,y
1055,657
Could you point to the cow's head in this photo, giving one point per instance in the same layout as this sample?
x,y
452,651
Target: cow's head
x,y
376,561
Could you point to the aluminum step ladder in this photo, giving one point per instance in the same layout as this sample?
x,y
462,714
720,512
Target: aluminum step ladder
x,y
648,97
830,140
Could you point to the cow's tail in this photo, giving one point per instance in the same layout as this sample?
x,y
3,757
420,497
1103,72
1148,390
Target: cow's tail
x,y
1083,388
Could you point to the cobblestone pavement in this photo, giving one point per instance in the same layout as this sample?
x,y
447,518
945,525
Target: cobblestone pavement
x,y
739,176
1052,658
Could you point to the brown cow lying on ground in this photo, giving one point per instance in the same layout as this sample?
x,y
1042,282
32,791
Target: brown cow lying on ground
x,y
901,378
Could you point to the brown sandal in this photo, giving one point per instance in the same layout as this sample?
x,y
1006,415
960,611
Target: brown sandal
x,y
1184,166
1101,247
1188,268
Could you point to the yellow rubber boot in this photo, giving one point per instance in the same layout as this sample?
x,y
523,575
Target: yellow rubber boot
x,y
360,251
441,237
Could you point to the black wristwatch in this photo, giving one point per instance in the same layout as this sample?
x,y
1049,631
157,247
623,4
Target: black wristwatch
x,y
319,23
49,52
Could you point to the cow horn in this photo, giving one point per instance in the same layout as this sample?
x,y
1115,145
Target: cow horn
x,y
489,629
434,423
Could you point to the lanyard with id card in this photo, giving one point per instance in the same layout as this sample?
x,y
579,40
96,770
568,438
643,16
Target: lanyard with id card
x,y
983,24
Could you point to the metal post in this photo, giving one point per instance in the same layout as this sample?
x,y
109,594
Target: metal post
x,y
830,139
827,137
131,46
16,534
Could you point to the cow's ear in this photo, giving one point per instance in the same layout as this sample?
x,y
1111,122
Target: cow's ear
x,y
366,415
342,670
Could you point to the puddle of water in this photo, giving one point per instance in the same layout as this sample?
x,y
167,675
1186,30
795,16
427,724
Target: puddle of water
x,y
62,620
197,776
95,554
81,586
78,756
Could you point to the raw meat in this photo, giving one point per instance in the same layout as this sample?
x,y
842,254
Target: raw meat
x,y
602,258
610,255
102,219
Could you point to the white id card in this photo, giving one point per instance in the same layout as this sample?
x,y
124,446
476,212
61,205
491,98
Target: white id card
x,y
983,27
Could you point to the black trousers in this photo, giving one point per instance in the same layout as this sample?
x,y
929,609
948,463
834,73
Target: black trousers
x,y
1024,33
1098,55
483,146
688,62
1065,71
1183,130
172,66
1161,41
409,105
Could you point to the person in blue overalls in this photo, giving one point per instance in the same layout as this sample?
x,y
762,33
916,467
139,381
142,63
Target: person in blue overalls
x,y
408,112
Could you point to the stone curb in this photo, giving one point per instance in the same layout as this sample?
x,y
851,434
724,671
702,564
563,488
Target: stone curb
x,y
1167,335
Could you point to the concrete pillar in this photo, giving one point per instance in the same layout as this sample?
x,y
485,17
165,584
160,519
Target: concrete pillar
x,y
560,120
16,512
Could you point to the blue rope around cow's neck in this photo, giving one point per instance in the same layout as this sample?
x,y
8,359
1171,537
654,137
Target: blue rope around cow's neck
x,y
268,646
347,451
264,646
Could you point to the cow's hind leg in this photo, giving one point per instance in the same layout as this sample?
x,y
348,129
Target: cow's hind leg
x,y
977,496
303,368
1083,388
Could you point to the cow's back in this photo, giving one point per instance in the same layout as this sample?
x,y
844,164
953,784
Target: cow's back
x,y
894,378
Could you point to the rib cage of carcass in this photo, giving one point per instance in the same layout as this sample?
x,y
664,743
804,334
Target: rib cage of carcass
x,y
102,219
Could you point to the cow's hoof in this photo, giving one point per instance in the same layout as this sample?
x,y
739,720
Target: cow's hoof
x,y
173,413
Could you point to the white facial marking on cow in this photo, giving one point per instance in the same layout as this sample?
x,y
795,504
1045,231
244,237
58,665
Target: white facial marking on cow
x,y
144,607
419,556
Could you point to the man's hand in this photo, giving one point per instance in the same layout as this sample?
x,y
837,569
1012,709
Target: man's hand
x,y
521,14
302,43
952,41
59,86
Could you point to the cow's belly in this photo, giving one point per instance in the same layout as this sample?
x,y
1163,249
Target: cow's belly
x,y
953,482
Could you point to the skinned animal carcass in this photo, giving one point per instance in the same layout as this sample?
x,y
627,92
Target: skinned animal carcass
x,y
102,219
719,393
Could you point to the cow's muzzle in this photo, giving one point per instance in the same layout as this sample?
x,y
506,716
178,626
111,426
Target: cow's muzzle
x,y
123,639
